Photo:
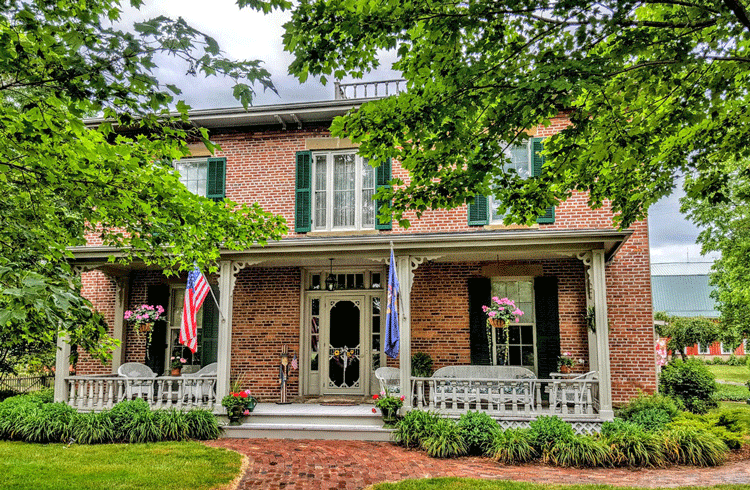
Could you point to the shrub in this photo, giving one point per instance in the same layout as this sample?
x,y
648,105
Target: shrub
x,y
50,422
92,428
578,451
414,428
172,425
6,394
512,446
445,440
545,431
631,445
732,393
652,419
47,395
644,402
478,430
734,419
202,425
735,361
124,416
717,361
691,382
421,365
686,445
707,424
13,411
146,427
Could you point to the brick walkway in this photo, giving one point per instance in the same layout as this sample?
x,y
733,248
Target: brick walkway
x,y
346,465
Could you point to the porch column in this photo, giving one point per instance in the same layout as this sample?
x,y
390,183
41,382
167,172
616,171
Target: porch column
x,y
405,278
224,343
122,294
62,367
599,283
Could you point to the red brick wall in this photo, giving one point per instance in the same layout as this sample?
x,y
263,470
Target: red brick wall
x,y
265,317
101,290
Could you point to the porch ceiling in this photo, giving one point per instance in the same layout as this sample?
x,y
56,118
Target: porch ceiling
x,y
350,250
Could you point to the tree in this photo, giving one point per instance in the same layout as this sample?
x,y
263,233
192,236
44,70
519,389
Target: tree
x,y
652,88
684,332
62,179
725,225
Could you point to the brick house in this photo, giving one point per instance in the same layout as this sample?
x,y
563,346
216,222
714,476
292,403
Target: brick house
x,y
571,264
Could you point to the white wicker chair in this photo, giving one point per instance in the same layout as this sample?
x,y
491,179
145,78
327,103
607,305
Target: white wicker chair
x,y
389,378
575,391
137,387
196,384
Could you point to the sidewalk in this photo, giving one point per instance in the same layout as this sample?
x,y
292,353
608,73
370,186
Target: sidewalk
x,y
350,465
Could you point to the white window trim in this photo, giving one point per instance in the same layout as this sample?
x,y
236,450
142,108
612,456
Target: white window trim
x,y
726,351
200,160
358,200
174,324
496,341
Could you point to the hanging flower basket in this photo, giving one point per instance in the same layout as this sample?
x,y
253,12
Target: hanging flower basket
x,y
497,322
145,327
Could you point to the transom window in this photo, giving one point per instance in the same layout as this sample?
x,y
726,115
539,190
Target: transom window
x,y
521,159
521,342
193,174
343,187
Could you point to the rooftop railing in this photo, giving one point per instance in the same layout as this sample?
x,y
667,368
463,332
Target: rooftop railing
x,y
367,90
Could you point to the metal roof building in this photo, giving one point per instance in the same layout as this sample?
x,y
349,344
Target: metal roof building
x,y
682,289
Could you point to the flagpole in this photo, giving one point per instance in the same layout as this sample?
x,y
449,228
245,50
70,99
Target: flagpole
x,y
215,301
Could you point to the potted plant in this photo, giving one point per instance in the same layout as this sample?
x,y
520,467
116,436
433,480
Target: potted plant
x,y
388,406
177,364
500,313
238,404
142,318
565,362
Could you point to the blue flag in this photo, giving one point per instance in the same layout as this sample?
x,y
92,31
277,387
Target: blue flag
x,y
391,314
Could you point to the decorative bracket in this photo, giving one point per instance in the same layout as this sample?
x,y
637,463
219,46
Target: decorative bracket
x,y
586,258
237,266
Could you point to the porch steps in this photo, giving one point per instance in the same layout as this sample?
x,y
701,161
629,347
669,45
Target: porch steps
x,y
311,421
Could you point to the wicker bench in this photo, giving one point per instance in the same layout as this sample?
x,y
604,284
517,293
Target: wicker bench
x,y
493,388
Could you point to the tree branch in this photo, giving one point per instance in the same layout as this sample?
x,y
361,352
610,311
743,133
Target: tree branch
x,y
739,12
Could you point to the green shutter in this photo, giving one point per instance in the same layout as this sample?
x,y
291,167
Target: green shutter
x,y
479,211
215,181
537,145
480,292
383,175
547,325
210,330
303,196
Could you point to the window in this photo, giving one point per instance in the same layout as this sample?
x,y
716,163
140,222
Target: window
x,y
521,342
725,349
521,162
343,187
207,321
203,176
703,349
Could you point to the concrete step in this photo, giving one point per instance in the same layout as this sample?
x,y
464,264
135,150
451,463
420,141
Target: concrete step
x,y
311,421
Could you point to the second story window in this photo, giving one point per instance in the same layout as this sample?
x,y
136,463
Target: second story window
x,y
521,161
203,176
343,187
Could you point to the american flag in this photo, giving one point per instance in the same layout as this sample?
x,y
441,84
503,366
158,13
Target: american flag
x,y
196,291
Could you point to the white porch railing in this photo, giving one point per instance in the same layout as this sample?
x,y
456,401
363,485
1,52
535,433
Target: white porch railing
x,y
364,90
94,393
526,398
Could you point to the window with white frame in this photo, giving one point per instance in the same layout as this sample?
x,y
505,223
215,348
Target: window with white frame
x,y
703,349
174,348
521,341
520,162
193,174
343,187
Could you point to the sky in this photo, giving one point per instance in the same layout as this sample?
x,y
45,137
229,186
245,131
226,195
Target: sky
x,y
246,34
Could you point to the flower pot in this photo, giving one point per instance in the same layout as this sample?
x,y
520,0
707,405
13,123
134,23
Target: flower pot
x,y
176,371
497,323
565,369
235,415
251,402
389,415
145,327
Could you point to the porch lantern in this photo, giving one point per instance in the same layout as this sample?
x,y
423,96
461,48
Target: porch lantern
x,y
331,279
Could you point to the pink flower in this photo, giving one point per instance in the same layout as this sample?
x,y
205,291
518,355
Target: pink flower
x,y
128,314
160,309
485,308
183,360
402,397
246,412
172,358
518,312
492,314
496,299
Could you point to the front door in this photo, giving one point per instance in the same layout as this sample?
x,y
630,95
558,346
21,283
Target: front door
x,y
343,345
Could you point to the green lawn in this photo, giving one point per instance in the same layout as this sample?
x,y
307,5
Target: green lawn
x,y
737,374
166,465
470,484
